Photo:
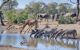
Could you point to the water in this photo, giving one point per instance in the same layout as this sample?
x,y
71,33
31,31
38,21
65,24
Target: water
x,y
15,40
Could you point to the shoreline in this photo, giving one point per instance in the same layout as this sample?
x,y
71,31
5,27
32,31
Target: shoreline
x,y
10,48
17,27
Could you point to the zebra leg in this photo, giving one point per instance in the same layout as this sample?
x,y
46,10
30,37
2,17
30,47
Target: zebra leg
x,y
62,35
67,35
31,34
56,35
36,35
75,34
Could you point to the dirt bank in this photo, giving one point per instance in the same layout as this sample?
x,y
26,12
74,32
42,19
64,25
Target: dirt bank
x,y
10,48
17,28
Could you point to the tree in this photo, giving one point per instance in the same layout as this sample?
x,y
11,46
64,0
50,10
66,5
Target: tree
x,y
64,7
1,11
77,4
52,8
6,1
10,5
68,6
34,8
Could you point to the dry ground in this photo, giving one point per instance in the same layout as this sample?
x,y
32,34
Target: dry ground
x,y
10,48
17,28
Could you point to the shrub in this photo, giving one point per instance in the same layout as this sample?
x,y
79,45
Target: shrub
x,y
10,16
14,17
23,16
66,20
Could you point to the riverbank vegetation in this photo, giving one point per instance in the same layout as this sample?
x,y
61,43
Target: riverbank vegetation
x,y
31,10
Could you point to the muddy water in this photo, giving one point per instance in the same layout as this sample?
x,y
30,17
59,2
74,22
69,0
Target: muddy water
x,y
24,41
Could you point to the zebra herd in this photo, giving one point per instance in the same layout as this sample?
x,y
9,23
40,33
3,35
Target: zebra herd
x,y
54,33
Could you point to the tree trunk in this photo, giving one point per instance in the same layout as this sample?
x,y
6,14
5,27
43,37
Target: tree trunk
x,y
2,23
77,9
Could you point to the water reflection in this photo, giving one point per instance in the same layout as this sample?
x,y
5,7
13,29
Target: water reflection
x,y
23,41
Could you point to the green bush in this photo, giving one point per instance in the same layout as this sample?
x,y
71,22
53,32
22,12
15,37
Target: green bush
x,y
10,16
14,17
66,20
21,19
23,16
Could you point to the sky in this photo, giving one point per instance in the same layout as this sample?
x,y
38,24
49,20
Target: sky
x,y
22,3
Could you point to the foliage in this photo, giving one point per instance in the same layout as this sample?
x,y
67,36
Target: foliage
x,y
32,16
50,8
64,7
35,8
66,20
15,17
23,16
10,15
11,4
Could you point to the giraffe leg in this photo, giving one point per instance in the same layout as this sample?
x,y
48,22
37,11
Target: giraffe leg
x,y
23,27
30,28
8,28
26,30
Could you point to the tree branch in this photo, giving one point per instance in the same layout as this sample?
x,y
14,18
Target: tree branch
x,y
72,1
4,3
